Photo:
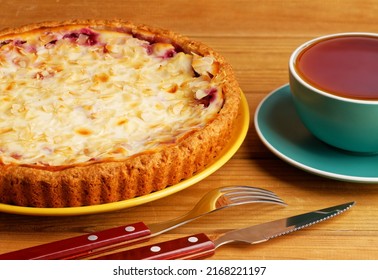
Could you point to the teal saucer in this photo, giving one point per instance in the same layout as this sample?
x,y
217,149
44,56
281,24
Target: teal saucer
x,y
281,130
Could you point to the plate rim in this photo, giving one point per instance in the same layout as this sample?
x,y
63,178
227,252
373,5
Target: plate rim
x,y
298,164
232,147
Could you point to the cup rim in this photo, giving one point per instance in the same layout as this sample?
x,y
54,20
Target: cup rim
x,y
306,44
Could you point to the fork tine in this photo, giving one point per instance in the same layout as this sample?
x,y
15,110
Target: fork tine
x,y
244,188
250,199
233,187
236,195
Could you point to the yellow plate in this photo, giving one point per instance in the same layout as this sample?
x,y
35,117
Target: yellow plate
x,y
237,139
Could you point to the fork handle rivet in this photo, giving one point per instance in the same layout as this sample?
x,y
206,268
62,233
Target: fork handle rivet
x,y
155,249
129,228
92,237
193,239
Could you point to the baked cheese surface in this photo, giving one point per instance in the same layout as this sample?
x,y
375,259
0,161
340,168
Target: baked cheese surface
x,y
70,96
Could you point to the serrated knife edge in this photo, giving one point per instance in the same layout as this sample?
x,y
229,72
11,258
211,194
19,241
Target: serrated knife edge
x,y
263,232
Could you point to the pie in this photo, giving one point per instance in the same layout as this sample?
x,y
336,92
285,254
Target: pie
x,y
94,112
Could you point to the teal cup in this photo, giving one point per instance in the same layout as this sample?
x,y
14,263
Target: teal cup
x,y
347,123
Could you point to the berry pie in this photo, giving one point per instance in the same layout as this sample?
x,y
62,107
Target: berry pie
x,y
94,112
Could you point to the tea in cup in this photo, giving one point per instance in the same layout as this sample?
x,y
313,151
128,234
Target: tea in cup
x,y
334,83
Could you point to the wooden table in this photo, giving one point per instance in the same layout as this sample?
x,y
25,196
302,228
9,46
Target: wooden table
x,y
256,37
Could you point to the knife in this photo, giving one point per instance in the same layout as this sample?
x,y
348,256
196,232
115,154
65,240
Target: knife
x,y
201,246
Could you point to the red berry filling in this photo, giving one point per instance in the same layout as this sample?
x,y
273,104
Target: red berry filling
x,y
83,37
211,95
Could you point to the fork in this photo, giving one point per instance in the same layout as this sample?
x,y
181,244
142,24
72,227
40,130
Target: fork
x,y
110,239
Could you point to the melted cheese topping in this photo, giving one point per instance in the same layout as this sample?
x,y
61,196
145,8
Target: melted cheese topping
x,y
74,96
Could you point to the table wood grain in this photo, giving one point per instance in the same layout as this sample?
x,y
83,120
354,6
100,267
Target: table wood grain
x,y
256,37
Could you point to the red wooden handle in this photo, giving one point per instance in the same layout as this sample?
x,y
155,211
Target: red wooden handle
x,y
81,245
190,247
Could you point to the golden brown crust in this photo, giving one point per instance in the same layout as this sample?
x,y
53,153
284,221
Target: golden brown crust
x,y
144,173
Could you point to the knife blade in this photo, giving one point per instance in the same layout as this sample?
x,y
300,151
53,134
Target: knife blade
x,y
201,246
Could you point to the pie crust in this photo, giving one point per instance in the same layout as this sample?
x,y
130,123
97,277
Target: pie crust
x,y
110,179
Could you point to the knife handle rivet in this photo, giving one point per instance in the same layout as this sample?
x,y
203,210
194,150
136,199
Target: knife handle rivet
x,y
155,249
129,228
193,239
92,237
